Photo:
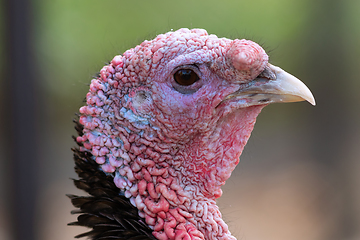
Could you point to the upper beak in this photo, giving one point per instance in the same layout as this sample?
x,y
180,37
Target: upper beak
x,y
273,85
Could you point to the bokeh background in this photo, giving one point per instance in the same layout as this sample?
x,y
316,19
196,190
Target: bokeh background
x,y
299,176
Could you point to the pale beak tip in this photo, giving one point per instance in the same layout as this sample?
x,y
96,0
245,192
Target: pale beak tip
x,y
308,96
312,101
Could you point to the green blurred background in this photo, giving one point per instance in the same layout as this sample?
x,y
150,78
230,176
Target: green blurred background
x,y
299,176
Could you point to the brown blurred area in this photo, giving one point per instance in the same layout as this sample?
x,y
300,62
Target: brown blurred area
x,y
298,177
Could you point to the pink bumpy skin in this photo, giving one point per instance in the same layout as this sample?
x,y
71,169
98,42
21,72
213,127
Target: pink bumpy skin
x,y
171,147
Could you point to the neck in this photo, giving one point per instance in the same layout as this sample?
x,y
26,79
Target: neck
x,y
176,194
175,186
175,206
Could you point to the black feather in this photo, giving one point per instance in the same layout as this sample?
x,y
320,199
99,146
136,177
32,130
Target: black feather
x,y
108,213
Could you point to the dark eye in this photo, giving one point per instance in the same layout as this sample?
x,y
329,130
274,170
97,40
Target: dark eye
x,y
185,77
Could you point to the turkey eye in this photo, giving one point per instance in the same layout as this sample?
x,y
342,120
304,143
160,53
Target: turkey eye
x,y
185,77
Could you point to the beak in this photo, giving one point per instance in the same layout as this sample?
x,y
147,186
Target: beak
x,y
271,86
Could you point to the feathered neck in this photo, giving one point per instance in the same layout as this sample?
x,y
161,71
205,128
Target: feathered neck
x,y
105,210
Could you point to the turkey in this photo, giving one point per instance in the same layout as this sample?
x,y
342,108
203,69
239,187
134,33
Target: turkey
x,y
162,129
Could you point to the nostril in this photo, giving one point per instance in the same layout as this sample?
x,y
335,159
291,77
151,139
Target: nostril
x,y
267,73
246,55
